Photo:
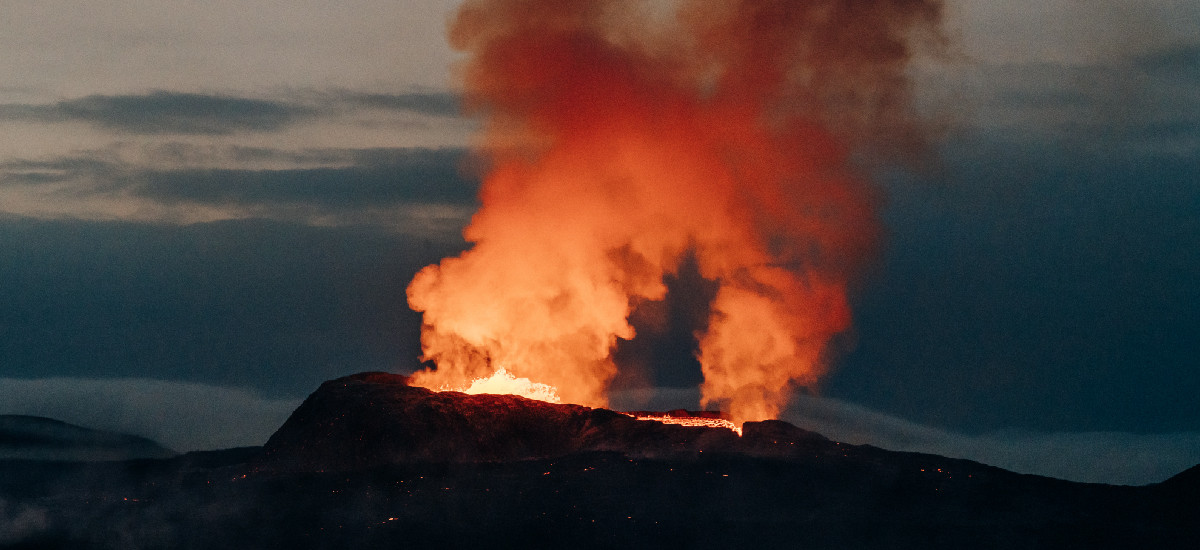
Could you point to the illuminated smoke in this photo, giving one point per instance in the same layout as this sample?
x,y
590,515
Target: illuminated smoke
x,y
620,135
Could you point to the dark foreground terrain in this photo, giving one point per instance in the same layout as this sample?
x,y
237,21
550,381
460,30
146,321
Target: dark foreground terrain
x,y
367,462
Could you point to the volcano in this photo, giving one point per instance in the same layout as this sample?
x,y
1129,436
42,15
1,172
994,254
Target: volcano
x,y
370,461
373,419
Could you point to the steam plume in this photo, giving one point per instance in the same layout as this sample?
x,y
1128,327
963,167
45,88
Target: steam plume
x,y
619,135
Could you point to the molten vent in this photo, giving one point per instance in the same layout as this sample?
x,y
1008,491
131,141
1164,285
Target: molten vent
x,y
501,382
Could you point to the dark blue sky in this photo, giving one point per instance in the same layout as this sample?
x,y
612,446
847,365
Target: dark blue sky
x,y
1053,288
1041,273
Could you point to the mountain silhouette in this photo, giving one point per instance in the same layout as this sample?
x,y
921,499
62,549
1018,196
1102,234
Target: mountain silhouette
x,y
39,438
369,461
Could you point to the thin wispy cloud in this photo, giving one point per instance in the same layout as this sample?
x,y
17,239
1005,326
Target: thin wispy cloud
x,y
415,189
185,113
1142,101
163,112
67,168
375,178
431,103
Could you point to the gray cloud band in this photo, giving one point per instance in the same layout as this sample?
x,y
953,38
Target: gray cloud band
x,y
165,112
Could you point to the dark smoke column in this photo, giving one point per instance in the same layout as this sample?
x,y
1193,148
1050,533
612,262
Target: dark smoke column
x,y
620,134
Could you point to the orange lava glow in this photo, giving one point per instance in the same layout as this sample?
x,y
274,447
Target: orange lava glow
x,y
694,421
619,136
503,383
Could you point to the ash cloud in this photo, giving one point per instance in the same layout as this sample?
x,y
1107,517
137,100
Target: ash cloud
x,y
616,140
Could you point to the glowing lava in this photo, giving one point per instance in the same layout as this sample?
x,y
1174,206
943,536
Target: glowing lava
x,y
694,421
619,136
501,383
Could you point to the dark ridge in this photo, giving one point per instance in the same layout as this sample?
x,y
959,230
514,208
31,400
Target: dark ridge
x,y
370,462
1181,494
38,438
1187,478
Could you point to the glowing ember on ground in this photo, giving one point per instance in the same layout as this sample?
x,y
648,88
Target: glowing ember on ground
x,y
501,382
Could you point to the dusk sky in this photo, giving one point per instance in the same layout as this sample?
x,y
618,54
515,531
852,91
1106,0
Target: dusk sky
x,y
207,209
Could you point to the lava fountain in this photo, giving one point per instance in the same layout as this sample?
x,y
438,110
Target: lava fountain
x,y
619,136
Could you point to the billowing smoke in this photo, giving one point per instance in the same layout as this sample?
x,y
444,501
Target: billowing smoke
x,y
620,136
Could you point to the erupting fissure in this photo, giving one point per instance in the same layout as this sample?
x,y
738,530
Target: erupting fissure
x,y
501,382
620,135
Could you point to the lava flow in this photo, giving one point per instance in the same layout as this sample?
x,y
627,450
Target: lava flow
x,y
620,136
689,419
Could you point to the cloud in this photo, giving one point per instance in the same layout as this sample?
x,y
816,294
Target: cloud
x,y
183,416
164,112
171,112
1172,61
138,45
1067,31
1131,105
374,177
1093,457
428,103
1109,75
67,168
412,190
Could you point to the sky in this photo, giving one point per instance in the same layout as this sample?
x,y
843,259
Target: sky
x,y
207,209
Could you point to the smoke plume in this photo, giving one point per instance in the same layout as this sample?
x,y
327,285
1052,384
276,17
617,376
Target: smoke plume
x,y
620,135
